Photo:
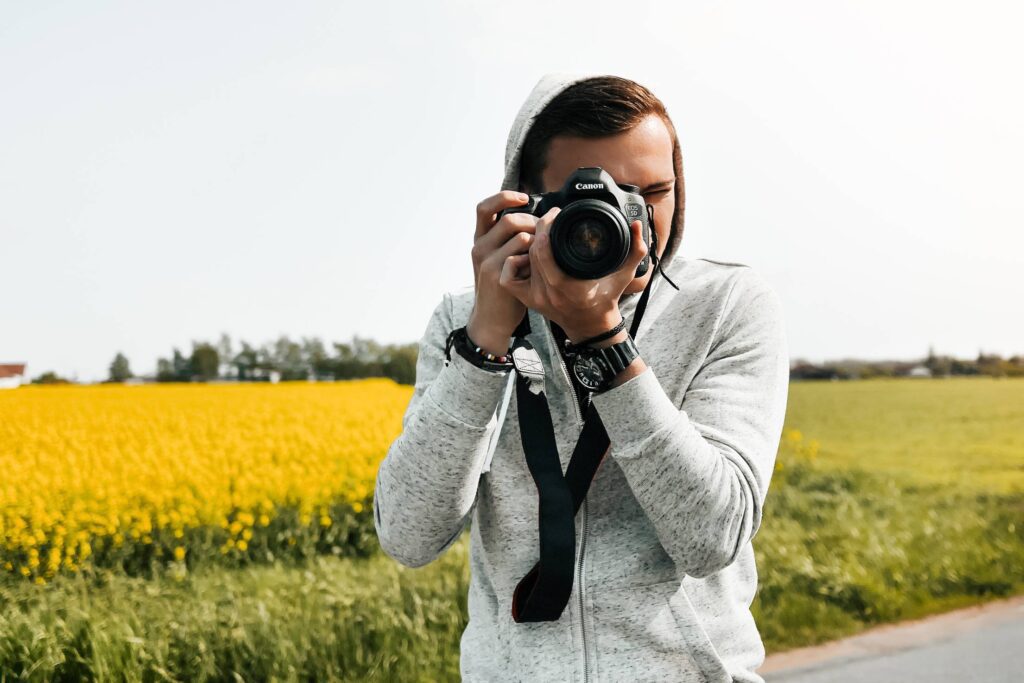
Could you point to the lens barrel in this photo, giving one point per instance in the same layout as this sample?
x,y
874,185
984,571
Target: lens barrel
x,y
589,239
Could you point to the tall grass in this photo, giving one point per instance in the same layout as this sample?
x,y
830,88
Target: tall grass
x,y
327,619
839,550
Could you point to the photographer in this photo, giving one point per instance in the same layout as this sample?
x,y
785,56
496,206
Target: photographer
x,y
660,561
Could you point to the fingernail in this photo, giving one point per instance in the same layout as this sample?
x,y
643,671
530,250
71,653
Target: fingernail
x,y
522,197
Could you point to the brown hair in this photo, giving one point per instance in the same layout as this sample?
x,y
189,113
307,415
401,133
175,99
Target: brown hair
x,y
597,107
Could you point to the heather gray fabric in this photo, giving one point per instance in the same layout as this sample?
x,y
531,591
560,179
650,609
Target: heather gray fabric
x,y
665,566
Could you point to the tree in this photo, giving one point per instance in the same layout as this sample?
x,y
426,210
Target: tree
x,y
225,353
288,359
164,370
181,367
939,366
401,363
246,361
204,361
119,368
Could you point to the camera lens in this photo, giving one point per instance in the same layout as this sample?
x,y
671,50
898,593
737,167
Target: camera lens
x,y
587,238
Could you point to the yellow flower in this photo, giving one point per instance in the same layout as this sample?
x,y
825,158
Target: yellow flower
x,y
158,461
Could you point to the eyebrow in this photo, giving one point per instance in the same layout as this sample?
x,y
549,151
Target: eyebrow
x,y
657,184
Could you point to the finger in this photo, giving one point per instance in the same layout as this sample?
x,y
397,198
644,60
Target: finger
x,y
515,277
519,266
504,230
487,210
517,244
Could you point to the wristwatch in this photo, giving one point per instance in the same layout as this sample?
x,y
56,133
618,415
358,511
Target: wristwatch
x,y
596,368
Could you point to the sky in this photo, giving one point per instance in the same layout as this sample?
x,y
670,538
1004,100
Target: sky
x,y
173,171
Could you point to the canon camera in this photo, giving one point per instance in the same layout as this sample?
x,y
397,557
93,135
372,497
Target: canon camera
x,y
590,236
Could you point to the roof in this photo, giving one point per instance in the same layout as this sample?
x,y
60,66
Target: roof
x,y
11,369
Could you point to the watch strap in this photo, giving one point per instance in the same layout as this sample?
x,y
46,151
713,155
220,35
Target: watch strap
x,y
613,359
619,356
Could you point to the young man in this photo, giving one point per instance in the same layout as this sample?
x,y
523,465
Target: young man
x,y
664,568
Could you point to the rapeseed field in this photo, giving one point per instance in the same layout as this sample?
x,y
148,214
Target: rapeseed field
x,y
115,475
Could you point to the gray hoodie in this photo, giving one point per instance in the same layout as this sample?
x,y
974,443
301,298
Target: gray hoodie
x,y
665,569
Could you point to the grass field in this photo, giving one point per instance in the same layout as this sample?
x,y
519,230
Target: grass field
x,y
966,433
891,498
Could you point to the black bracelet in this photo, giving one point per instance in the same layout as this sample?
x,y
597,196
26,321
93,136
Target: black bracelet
x,y
474,354
601,337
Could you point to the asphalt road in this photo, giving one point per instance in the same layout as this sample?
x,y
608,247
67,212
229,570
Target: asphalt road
x,y
983,644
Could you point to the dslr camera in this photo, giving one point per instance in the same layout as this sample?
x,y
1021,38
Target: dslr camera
x,y
590,236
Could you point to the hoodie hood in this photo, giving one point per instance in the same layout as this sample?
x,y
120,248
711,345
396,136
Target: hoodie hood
x,y
546,89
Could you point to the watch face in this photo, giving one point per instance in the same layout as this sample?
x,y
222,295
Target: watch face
x,y
588,371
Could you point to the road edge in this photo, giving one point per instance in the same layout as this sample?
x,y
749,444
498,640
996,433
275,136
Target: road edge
x,y
894,637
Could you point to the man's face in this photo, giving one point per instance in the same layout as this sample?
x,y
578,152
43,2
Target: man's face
x,y
641,157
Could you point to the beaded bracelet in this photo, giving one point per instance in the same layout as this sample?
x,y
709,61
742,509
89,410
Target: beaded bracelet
x,y
474,354
505,358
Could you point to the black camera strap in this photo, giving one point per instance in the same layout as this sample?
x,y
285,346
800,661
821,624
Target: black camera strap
x,y
543,593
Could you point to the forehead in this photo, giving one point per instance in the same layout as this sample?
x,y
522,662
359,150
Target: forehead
x,y
640,156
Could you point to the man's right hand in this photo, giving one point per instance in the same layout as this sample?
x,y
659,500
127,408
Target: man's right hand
x,y
499,244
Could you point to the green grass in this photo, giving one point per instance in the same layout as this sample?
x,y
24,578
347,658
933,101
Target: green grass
x,y
328,619
964,432
842,550
901,498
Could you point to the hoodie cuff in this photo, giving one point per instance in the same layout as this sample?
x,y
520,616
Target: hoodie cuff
x,y
466,392
633,411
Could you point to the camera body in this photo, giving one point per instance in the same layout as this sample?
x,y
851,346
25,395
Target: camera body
x,y
590,236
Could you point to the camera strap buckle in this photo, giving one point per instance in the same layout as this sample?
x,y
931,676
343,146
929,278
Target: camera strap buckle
x,y
528,364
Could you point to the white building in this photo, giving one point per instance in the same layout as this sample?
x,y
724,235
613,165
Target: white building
x,y
12,375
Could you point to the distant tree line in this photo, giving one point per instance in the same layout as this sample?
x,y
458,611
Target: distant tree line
x,y
932,366
285,359
280,360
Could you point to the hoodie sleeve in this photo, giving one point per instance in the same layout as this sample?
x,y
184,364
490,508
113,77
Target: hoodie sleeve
x,y
426,485
701,472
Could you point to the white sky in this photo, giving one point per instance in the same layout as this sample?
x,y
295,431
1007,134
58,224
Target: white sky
x,y
170,172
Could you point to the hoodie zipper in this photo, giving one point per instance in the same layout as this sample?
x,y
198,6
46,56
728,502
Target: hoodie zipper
x,y
583,533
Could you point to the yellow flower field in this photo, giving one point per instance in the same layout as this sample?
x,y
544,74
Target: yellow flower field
x,y
131,468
